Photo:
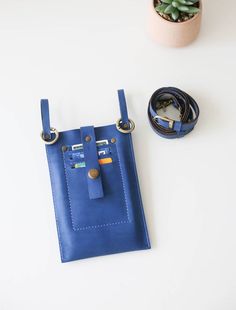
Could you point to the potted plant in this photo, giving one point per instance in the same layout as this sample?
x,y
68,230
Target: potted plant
x,y
175,22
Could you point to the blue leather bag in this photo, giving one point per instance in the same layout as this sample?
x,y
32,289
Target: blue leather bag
x,y
95,188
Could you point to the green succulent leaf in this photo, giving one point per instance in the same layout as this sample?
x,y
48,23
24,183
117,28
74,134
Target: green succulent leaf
x,y
161,7
185,2
183,8
167,1
194,1
170,9
175,4
193,10
175,14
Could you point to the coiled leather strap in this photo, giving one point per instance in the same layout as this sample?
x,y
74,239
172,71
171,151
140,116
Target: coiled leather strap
x,y
187,106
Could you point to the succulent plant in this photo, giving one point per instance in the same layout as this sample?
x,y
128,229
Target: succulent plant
x,y
174,8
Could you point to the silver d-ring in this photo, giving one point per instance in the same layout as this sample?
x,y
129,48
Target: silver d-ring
x,y
129,130
52,130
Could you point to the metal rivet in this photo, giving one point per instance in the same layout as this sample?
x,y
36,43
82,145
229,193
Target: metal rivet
x,y
125,125
87,138
93,173
64,148
113,140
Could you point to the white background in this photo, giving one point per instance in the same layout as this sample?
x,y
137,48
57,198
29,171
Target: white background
x,y
78,53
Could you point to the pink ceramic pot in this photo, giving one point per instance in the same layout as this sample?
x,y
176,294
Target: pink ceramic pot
x,y
171,33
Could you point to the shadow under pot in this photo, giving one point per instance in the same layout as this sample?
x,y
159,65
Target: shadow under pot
x,y
169,25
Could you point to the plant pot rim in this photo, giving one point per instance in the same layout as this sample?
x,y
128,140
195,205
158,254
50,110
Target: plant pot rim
x,y
179,23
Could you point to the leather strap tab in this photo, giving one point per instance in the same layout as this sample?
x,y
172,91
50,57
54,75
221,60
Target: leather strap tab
x,y
123,108
95,188
45,119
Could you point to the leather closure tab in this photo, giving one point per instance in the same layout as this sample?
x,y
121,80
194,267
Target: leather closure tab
x,y
94,180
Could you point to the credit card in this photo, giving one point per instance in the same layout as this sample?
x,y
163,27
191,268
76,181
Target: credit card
x,y
79,165
80,146
104,151
102,161
80,153
77,155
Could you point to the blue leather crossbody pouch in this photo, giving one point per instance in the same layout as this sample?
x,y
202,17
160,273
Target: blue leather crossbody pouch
x,y
95,188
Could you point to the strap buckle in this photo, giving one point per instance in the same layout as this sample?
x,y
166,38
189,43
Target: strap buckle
x,y
166,119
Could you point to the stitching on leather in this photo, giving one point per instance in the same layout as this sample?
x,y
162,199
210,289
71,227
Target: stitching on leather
x,y
54,200
123,186
67,188
92,226
102,225
138,189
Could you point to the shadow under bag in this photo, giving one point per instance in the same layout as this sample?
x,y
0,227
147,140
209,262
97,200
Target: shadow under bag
x,y
95,188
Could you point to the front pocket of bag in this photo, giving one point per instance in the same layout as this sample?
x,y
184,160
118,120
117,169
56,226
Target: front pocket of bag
x,y
88,213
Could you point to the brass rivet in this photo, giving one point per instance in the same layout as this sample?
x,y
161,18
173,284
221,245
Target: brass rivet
x,y
87,138
93,173
125,126
113,140
64,148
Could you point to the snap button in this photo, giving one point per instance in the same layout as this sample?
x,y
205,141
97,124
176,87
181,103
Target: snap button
x,y
87,138
93,173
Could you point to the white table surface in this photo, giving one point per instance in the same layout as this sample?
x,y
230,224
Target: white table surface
x,y
77,54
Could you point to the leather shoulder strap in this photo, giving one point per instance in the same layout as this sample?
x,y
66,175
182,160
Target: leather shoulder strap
x,y
123,108
45,119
